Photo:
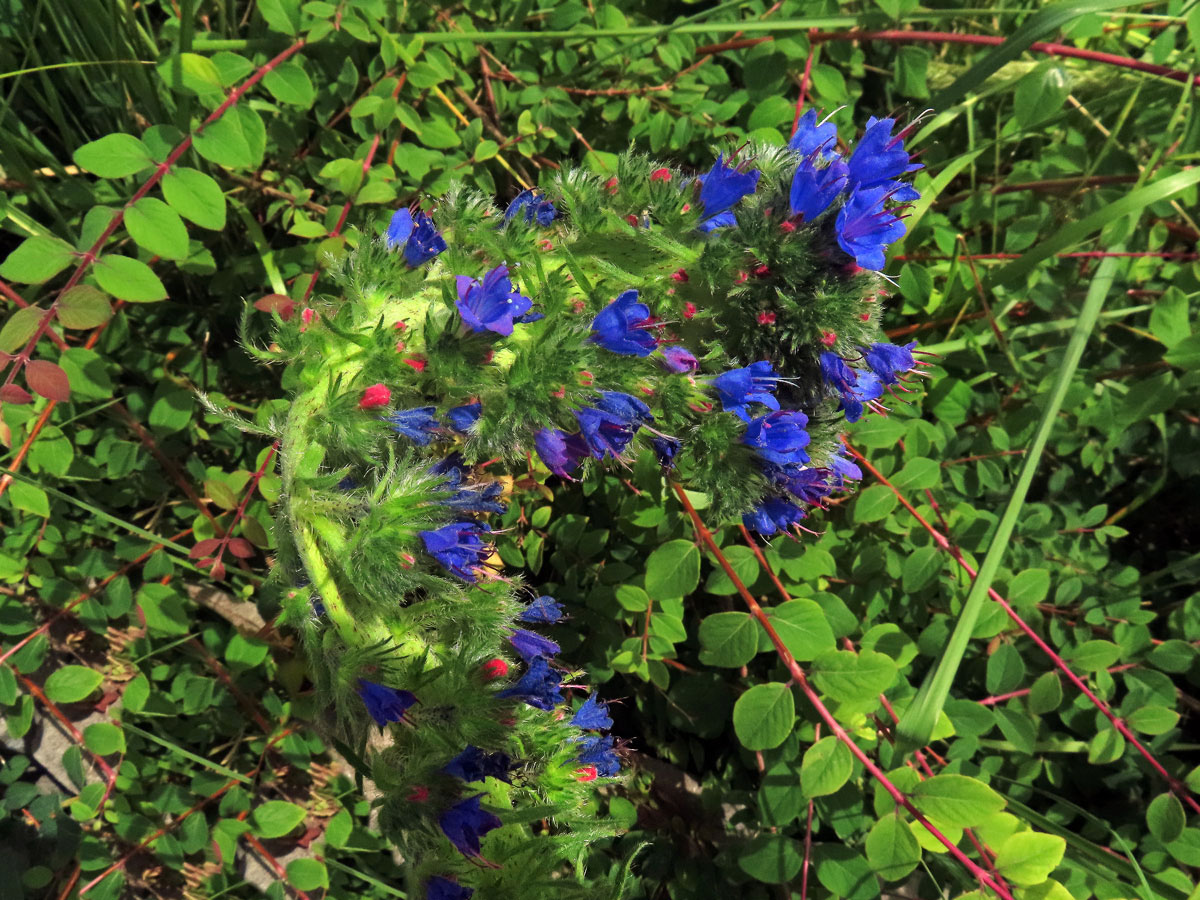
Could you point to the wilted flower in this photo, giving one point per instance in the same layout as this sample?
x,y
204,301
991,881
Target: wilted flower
x,y
679,360
561,452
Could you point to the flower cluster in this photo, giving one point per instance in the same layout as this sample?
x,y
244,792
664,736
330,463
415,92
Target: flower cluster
x,y
528,352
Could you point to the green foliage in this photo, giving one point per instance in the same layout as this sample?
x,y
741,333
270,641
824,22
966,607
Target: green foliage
x,y
204,713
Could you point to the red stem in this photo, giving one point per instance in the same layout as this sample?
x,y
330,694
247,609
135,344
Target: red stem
x,y
1053,49
1177,787
16,298
799,677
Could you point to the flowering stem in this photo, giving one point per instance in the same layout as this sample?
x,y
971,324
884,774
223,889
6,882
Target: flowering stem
x,y
801,680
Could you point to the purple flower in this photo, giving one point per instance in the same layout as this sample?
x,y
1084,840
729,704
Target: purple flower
x,y
420,238
865,227
544,609
459,547
465,823
536,206
843,469
490,305
598,752
385,704
773,515
811,138
468,498
531,645
813,189
679,360
620,327
738,388
418,425
439,888
720,190
539,686
561,452
475,765
611,424
592,716
879,157
665,449
779,437
857,387
887,360
809,485
461,418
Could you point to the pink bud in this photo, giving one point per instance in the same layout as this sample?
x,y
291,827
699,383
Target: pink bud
x,y
787,227
417,362
586,774
762,271
399,346
546,245
742,278
494,668
689,309
375,396
828,338
680,275
687,207
419,794
306,318
766,318
660,175
559,394
611,185
401,325
631,219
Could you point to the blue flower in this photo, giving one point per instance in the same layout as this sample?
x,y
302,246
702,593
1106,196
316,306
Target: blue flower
x,y
879,157
810,138
720,190
610,425
418,425
475,765
620,327
420,238
544,609
491,305
385,704
468,498
461,418
539,686
843,469
858,388
888,361
679,360
561,452
779,437
592,716
809,485
459,547
665,450
813,189
738,388
536,206
531,645
598,752
773,515
439,888
465,823
865,227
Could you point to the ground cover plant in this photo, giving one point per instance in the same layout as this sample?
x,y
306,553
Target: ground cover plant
x,y
973,671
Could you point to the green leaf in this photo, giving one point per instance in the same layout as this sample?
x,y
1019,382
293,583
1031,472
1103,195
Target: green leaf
x,y
780,799
129,279
772,859
114,156
191,73
956,800
874,504
1152,719
1165,817
1185,354
1040,94
1092,656
281,15
892,850
83,307
275,818
70,684
1046,694
828,764
195,196
439,134
764,715
157,228
728,639
36,260
920,568
289,83
744,564
1005,670
1029,587
1029,857
854,678
19,328
673,570
103,738
29,498
485,150
1106,746
802,627
237,140
307,874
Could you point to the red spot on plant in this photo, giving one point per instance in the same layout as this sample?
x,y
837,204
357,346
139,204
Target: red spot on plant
x,y
587,773
417,362
660,175
419,794
494,668
680,275
766,318
375,396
